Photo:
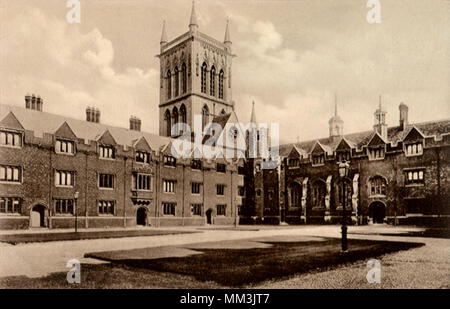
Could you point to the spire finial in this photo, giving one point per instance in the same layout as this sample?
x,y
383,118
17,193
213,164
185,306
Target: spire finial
x,y
379,102
163,34
335,105
253,115
193,25
227,33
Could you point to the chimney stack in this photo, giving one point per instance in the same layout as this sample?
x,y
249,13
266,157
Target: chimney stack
x,y
33,102
97,115
135,123
88,114
92,114
27,101
403,115
39,103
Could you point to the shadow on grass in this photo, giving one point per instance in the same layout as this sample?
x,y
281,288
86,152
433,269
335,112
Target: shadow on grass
x,y
428,233
242,267
63,236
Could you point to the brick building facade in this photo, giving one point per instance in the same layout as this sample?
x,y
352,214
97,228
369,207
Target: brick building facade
x,y
397,174
57,171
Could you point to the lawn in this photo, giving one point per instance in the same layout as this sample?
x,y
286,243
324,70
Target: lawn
x,y
236,264
242,267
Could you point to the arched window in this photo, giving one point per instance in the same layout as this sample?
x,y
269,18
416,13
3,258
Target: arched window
x,y
212,85
295,192
177,82
169,85
377,186
175,119
167,120
205,116
348,194
204,77
184,77
221,84
183,114
318,194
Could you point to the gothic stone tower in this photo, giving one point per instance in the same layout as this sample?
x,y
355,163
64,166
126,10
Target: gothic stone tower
x,y
195,77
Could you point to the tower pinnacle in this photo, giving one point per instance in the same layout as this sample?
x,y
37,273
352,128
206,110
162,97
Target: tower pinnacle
x,y
193,25
163,34
253,115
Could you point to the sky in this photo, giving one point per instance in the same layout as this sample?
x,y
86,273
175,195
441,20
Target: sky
x,y
292,58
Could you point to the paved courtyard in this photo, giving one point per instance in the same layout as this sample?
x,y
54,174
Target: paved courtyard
x,y
422,267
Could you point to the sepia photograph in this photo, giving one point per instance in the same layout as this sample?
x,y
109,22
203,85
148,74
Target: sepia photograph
x,y
224,151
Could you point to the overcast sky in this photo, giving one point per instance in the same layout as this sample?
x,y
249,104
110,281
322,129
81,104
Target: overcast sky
x,y
292,57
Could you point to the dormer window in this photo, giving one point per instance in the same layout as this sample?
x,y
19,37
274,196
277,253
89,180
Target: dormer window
x,y
170,161
414,149
294,162
376,153
142,157
11,139
107,152
318,160
64,147
342,156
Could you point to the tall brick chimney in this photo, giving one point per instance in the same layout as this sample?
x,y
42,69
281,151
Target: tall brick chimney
x,y
97,115
135,123
403,115
92,114
28,101
33,102
88,114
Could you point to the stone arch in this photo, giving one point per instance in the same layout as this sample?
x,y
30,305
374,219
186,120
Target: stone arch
x,y
295,194
204,70
168,120
39,215
378,188
141,216
205,116
183,114
377,211
318,193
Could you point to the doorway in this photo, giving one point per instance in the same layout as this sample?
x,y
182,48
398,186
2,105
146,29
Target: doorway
x,y
141,216
37,216
209,216
377,212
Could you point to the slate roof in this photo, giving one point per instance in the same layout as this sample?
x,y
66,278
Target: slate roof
x,y
360,139
42,122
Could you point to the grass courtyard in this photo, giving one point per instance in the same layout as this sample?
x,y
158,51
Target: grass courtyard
x,y
237,264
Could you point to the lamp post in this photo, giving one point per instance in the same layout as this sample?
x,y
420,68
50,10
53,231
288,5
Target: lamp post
x,y
343,173
75,198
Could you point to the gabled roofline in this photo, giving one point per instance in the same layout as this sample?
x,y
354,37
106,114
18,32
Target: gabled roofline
x,y
417,129
373,135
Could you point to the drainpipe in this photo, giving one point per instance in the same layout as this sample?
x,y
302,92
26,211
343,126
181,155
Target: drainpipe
x,y
125,191
182,200
86,192
203,191
438,175
50,193
156,189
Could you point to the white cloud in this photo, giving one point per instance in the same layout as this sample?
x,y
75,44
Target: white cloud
x,y
72,70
